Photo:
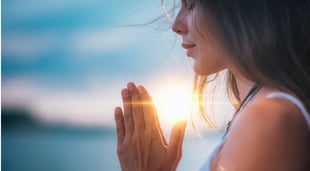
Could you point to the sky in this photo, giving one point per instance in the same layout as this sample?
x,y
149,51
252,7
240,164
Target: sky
x,y
67,60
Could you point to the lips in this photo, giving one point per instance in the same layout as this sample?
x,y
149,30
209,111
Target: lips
x,y
188,45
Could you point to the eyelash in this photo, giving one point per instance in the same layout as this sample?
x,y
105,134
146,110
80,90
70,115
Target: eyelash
x,y
189,4
190,7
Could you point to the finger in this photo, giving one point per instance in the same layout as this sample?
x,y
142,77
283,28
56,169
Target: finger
x,y
128,120
176,138
150,114
120,127
137,110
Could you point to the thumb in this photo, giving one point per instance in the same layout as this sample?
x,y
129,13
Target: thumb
x,y
176,137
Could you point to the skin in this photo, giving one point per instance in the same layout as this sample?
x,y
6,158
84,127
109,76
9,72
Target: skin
x,y
141,145
268,134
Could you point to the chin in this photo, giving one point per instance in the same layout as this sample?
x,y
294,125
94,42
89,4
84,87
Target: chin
x,y
206,70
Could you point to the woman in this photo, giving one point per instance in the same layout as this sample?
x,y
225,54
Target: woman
x,y
264,46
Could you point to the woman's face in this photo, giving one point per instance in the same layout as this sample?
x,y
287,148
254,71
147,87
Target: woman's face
x,y
208,56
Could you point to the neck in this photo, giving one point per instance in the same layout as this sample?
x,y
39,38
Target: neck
x,y
244,86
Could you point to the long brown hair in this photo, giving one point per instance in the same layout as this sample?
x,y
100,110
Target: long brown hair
x,y
267,40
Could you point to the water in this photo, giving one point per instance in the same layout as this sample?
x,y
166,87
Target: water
x,y
67,151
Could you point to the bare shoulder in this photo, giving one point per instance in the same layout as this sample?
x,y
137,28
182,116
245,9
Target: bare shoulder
x,y
268,134
277,113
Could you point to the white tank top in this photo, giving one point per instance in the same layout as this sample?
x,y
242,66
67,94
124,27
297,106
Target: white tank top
x,y
207,165
295,101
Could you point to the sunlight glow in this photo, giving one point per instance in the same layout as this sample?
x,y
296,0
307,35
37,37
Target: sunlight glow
x,y
173,103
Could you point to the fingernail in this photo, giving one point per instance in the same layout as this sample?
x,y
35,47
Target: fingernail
x,y
125,93
117,110
131,86
141,89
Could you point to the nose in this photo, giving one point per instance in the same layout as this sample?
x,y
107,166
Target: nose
x,y
179,26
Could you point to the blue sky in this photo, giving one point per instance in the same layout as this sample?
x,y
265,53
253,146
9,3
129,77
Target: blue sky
x,y
60,55
47,38
67,60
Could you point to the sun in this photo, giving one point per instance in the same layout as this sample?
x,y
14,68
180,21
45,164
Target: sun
x,y
173,103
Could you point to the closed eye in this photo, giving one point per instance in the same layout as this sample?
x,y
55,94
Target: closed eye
x,y
188,4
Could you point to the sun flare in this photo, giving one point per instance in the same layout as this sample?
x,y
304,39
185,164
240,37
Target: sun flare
x,y
173,103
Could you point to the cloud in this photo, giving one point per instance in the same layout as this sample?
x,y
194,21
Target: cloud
x,y
100,41
79,43
28,46
91,106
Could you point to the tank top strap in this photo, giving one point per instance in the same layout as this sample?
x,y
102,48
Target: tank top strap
x,y
295,101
